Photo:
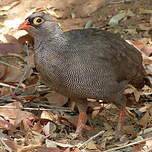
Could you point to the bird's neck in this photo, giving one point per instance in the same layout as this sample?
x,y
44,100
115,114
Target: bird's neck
x,y
53,31
56,30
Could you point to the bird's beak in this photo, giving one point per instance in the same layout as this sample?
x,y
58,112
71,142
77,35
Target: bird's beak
x,y
25,25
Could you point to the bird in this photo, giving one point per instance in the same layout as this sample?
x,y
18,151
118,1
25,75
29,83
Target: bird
x,y
85,63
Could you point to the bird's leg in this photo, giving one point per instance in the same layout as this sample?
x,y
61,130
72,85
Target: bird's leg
x,y
121,119
81,122
120,101
82,105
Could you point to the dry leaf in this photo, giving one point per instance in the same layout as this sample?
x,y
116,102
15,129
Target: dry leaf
x,y
55,13
87,8
91,145
10,145
47,115
17,75
15,116
10,114
30,61
144,28
3,70
129,129
37,126
6,2
145,11
56,99
138,147
29,148
107,126
144,120
25,38
7,125
49,129
10,5
48,149
63,143
147,49
115,19
133,90
148,144
77,150
13,75
6,48
67,150
23,116
95,113
11,39
147,60
64,3
4,91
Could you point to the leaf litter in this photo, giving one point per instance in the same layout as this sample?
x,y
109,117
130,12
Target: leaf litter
x,y
26,126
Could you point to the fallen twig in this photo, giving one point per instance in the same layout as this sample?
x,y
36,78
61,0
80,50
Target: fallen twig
x,y
90,139
14,55
7,85
130,144
9,65
60,144
117,2
41,109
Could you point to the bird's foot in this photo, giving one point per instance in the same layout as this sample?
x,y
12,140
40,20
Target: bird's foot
x,y
81,123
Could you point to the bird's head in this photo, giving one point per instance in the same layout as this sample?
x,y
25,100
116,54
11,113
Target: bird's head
x,y
40,24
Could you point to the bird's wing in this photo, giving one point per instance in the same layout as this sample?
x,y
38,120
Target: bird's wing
x,y
106,47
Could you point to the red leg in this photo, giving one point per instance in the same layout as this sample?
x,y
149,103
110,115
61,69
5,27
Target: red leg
x,y
81,122
82,105
122,114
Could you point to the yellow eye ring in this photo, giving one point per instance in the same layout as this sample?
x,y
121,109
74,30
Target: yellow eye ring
x,y
38,20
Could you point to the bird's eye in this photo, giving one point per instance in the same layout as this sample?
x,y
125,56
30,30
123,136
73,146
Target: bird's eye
x,y
38,20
